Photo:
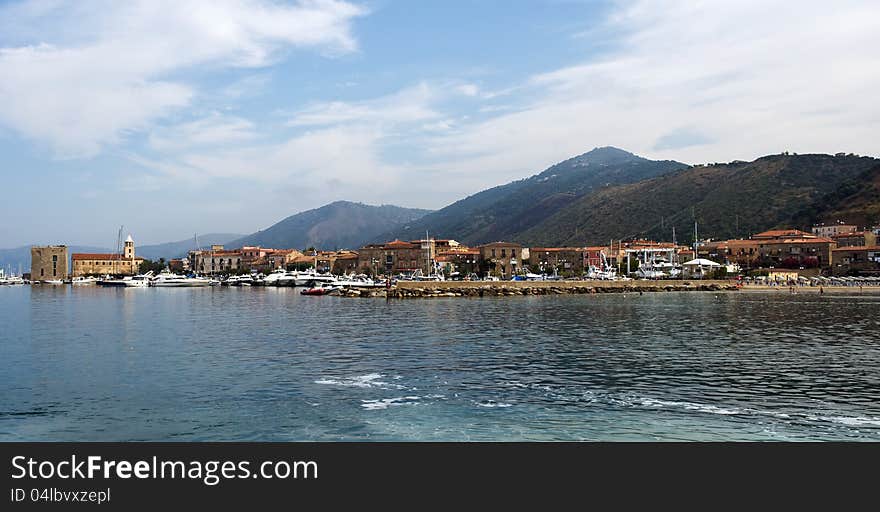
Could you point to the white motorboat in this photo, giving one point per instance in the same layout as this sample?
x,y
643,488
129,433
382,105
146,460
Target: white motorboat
x,y
138,281
274,277
357,281
169,280
83,280
311,278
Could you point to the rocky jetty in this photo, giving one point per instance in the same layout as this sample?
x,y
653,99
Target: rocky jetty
x,y
510,289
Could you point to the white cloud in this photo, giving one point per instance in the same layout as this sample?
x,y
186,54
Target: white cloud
x,y
81,75
697,82
408,105
215,129
712,81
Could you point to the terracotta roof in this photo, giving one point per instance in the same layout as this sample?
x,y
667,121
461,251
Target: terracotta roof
x,y
813,240
399,244
777,233
98,256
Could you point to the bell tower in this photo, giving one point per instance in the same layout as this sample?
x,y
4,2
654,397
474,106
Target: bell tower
x,y
128,253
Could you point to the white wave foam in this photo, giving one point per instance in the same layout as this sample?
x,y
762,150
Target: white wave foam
x,y
370,380
711,409
852,421
385,403
493,404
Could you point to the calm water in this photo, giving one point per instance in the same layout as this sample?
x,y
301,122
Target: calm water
x,y
268,364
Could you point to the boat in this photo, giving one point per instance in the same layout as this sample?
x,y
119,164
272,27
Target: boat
x,y
357,281
169,280
53,282
83,280
138,281
310,278
274,277
321,289
10,279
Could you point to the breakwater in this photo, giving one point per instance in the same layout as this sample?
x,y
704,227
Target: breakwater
x,y
420,289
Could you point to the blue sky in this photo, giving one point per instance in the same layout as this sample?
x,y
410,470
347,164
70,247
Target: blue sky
x,y
173,118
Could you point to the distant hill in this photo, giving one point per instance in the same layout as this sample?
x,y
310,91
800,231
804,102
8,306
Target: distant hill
x,y
729,200
179,249
503,212
339,225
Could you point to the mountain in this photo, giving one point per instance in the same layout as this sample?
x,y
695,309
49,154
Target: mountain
x,y
503,212
726,200
339,225
179,249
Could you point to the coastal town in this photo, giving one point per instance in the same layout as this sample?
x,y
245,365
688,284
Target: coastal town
x,y
837,253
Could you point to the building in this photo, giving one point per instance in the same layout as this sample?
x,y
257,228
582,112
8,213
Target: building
x,y
178,265
742,252
808,252
92,264
463,260
829,230
398,256
856,260
559,260
855,238
49,262
216,261
502,259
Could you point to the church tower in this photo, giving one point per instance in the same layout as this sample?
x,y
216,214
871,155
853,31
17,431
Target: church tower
x,y
129,248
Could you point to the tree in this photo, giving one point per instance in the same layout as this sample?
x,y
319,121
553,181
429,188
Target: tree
x,y
154,266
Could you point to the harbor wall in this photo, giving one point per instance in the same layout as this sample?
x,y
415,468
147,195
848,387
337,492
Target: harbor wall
x,y
416,289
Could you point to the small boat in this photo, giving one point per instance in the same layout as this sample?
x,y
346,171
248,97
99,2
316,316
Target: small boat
x,y
83,280
53,282
321,289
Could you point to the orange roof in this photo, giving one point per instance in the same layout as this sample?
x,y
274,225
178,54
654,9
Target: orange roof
x,y
812,240
98,256
778,233
398,244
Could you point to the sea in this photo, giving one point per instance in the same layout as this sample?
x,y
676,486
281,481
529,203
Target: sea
x,y
268,364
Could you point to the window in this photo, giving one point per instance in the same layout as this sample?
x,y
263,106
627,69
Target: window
x,y
389,258
493,253
54,258
503,253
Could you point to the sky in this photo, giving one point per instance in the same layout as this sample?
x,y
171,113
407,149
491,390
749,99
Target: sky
x,y
179,117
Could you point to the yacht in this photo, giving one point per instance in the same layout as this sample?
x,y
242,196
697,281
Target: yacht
x,y
138,281
310,278
357,281
83,280
274,276
169,280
